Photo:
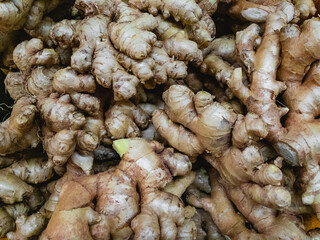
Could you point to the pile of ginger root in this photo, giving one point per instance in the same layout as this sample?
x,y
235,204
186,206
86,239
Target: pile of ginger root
x,y
160,119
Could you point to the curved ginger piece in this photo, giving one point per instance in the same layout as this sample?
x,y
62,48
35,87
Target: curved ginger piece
x,y
42,30
258,11
27,227
259,181
15,84
202,32
95,51
144,165
243,164
8,214
32,52
267,223
32,170
131,32
260,97
16,131
166,67
300,143
158,66
59,113
123,119
40,81
209,122
59,146
109,73
13,189
68,81
176,42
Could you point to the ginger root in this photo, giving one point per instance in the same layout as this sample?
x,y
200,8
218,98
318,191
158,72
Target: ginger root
x,y
186,11
113,217
19,131
266,222
209,122
131,31
123,119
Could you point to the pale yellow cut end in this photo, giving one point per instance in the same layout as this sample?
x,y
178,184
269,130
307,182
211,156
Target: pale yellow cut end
x,y
121,146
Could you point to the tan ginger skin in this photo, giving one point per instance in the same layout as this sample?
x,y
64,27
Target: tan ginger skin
x,y
73,216
87,82
267,224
